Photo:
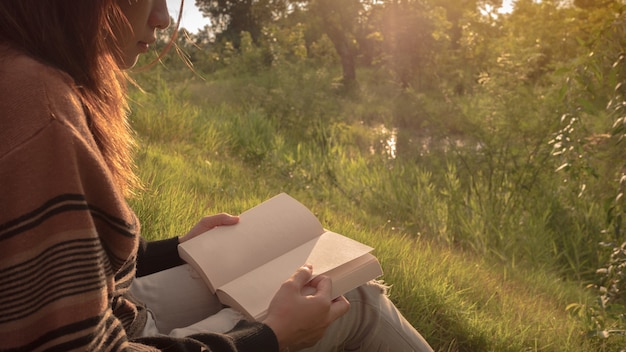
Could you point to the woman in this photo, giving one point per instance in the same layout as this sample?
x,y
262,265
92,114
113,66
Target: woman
x,y
69,244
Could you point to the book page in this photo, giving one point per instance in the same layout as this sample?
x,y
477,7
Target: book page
x,y
263,233
333,250
353,274
255,290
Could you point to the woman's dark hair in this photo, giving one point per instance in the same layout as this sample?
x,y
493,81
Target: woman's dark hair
x,y
78,37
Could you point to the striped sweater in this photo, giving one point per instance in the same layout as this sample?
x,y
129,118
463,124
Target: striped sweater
x,y
68,240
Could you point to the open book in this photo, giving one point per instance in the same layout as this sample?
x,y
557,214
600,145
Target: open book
x,y
245,264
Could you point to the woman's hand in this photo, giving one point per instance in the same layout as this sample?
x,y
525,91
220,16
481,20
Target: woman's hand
x,y
209,222
299,319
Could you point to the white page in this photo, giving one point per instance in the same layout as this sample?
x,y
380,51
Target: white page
x,y
262,234
333,250
256,289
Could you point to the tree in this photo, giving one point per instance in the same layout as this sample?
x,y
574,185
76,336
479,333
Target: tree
x,y
339,19
407,39
229,18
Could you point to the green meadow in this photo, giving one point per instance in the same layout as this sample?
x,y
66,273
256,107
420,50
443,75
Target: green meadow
x,y
480,153
470,270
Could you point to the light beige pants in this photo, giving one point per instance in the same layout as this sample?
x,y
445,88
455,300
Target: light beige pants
x,y
181,305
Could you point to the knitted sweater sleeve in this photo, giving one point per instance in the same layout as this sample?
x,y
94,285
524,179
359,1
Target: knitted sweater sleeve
x,y
68,240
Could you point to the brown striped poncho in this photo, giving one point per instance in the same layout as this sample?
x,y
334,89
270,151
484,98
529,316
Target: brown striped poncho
x,y
68,240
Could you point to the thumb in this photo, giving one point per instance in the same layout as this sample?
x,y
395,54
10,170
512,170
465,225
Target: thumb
x,y
210,222
323,286
302,275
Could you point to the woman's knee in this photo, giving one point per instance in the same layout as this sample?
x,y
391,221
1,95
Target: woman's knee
x,y
370,293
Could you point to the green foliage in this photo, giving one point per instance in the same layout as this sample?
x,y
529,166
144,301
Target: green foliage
x,y
253,136
469,134
415,218
408,41
171,116
231,18
323,53
286,44
591,153
250,58
606,316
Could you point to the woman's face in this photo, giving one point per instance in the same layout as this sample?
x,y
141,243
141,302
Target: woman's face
x,y
144,17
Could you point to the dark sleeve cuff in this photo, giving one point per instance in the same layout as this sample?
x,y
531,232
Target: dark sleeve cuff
x,y
247,337
154,256
254,337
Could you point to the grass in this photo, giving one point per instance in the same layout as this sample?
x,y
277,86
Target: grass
x,y
197,159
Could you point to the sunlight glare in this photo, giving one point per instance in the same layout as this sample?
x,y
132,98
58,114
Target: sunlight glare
x,y
507,6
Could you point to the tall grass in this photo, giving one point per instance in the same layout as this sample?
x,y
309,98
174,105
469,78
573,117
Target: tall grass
x,y
472,271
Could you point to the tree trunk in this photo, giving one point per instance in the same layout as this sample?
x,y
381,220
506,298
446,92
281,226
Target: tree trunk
x,y
346,53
